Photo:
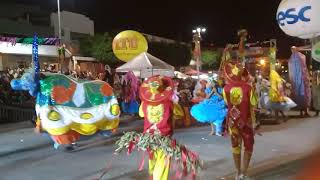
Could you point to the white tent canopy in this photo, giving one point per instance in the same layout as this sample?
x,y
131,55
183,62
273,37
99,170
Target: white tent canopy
x,y
81,58
180,75
144,61
147,65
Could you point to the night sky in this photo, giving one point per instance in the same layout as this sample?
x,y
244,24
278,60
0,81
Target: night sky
x,y
175,19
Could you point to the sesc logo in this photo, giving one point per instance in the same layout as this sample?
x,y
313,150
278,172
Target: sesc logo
x,y
292,16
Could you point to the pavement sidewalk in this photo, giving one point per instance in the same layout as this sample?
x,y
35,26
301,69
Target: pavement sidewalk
x,y
20,137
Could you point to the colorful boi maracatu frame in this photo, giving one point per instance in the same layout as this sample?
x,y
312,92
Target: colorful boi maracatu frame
x,y
67,108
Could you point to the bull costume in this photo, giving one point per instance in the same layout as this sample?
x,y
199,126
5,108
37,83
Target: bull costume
x,y
66,108
157,109
299,77
241,124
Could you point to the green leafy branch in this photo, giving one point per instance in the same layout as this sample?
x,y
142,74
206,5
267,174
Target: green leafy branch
x,y
154,142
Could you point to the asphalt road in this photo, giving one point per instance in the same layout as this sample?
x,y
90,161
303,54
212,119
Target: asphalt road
x,y
286,171
278,142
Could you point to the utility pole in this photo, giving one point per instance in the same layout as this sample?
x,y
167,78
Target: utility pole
x,y
59,20
197,42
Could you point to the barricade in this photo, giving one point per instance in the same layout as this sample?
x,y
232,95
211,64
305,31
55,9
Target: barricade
x,y
10,114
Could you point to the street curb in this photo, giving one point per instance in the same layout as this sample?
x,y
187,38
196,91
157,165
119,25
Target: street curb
x,y
270,164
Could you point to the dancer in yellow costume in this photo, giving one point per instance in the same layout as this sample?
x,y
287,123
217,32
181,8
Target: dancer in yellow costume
x,y
278,101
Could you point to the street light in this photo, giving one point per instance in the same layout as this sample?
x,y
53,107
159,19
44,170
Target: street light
x,y
61,60
197,39
59,19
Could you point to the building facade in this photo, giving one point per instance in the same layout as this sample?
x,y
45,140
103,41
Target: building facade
x,y
19,20
73,26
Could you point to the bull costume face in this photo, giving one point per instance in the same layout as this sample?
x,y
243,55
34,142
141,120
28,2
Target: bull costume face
x,y
25,83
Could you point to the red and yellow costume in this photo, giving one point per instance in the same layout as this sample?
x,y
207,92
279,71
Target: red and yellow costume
x,y
157,108
241,100
157,105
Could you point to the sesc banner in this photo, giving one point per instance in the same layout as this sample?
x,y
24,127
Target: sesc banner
x,y
299,18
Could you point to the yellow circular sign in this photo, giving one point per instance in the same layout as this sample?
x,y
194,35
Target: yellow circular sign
x,y
128,44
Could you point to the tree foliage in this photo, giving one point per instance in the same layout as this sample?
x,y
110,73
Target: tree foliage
x,y
99,46
175,54
315,65
211,59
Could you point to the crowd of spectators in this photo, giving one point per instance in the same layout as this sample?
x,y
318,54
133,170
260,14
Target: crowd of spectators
x,y
7,95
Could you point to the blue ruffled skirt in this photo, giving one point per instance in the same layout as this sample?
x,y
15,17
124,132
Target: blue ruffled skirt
x,y
211,110
131,107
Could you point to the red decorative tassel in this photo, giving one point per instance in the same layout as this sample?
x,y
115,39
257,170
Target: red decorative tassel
x,y
150,152
193,175
141,165
173,143
130,147
178,174
184,161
